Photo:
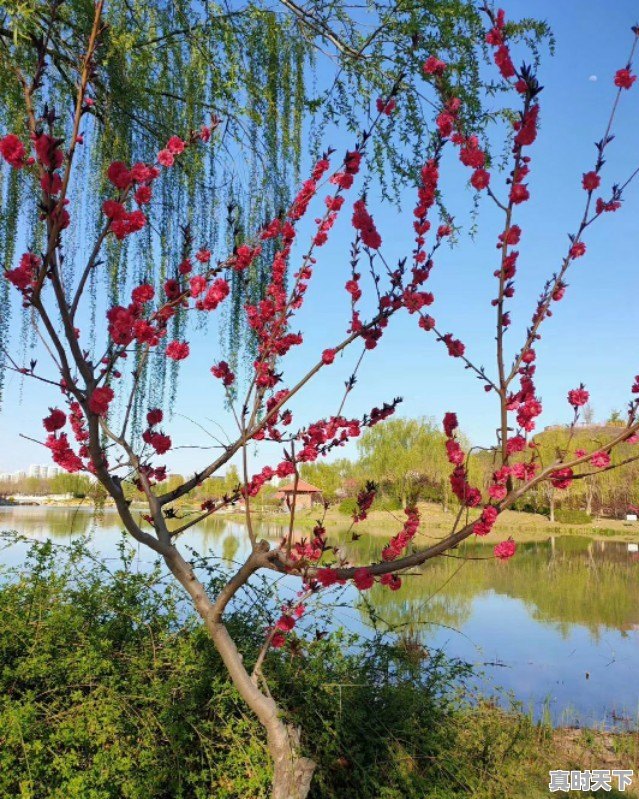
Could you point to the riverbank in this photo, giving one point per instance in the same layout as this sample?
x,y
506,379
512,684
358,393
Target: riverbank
x,y
435,523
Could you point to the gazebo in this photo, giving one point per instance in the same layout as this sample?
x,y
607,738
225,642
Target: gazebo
x,y
306,495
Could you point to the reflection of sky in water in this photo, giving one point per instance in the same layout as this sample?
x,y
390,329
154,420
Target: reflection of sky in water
x,y
536,628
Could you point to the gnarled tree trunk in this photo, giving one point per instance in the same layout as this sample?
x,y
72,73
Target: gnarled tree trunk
x,y
292,773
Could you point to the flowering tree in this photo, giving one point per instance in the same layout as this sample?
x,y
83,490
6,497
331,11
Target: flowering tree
x,y
107,445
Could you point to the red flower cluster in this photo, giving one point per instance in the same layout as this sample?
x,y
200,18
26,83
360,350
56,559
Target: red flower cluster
x,y
434,66
486,521
13,151
177,350
505,550
590,181
160,442
578,397
496,38
56,420
364,501
393,581
223,372
399,542
497,490
308,550
624,78
562,478
385,107
62,453
363,579
352,162
363,222
465,493
600,460
327,577
24,277
100,400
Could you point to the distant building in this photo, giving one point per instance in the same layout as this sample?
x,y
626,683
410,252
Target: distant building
x,y
306,495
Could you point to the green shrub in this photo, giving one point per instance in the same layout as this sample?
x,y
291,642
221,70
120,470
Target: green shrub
x,y
387,503
347,506
110,689
570,516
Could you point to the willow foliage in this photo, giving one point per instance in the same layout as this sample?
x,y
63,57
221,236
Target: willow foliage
x,y
278,75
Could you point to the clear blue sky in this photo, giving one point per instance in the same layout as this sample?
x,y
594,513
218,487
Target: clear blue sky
x,y
593,336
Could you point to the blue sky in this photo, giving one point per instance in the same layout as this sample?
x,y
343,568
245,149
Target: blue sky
x,y
593,336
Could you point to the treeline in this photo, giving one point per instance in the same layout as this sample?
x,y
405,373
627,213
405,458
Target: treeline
x,y
78,485
407,459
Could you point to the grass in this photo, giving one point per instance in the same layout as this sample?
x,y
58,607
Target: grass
x,y
436,523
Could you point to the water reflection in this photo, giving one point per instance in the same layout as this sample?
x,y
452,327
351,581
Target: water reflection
x,y
558,625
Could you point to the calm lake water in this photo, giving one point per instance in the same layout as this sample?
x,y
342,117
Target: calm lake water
x,y
557,627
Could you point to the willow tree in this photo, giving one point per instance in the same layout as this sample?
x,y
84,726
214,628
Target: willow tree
x,y
272,75
404,455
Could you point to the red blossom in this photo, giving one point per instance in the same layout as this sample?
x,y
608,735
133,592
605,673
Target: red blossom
x,y
363,579
393,581
154,416
527,128
590,181
504,62
486,521
505,549
578,396
480,179
143,293
562,478
166,158
600,460
100,400
519,194
328,356
385,107
624,78
13,151
119,175
578,249
434,66
143,195
160,442
455,347
450,423
223,372
175,145
285,623
363,222
177,350
56,420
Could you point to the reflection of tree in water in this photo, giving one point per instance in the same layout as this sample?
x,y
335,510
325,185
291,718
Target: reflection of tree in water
x,y
412,613
38,522
563,582
230,547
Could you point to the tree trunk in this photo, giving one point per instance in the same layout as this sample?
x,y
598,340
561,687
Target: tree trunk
x,y
589,495
292,773
552,506
444,496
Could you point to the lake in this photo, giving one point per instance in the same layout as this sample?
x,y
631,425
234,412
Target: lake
x,y
556,627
